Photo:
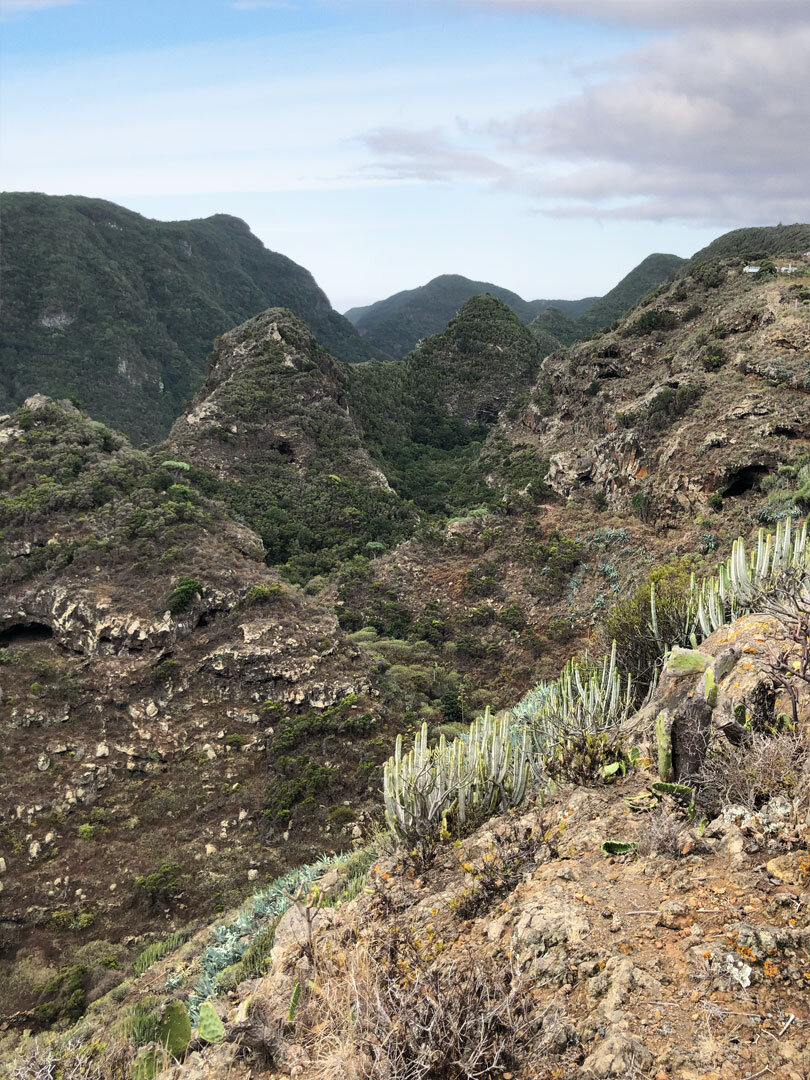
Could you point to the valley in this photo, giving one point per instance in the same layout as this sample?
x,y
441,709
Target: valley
x,y
227,585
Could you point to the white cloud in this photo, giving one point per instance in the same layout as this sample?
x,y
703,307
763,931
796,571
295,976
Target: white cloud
x,y
676,14
704,126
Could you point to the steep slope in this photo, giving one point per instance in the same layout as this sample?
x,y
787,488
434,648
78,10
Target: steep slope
x,y
698,399
271,434
642,279
119,311
175,718
757,243
396,324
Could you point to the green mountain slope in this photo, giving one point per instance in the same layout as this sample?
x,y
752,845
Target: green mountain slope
x,y
395,325
424,418
553,329
757,242
119,311
648,275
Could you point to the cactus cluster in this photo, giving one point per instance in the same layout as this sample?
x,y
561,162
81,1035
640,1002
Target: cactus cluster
x,y
778,560
482,771
585,700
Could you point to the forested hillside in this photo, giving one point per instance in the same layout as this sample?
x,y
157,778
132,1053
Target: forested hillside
x,y
118,311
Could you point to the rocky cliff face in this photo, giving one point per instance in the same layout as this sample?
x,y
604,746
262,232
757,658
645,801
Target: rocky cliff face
x,y
698,397
158,690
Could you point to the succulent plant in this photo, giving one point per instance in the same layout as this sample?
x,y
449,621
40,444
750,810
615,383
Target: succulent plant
x,y
619,847
210,1028
478,773
174,1029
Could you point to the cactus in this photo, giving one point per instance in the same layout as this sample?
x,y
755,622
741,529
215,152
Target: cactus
x,y
296,994
687,661
585,699
642,803
619,847
777,558
174,1029
210,1028
663,742
481,772
147,1064
710,688
683,794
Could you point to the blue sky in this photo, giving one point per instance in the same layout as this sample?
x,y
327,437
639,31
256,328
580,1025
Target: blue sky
x,y
545,145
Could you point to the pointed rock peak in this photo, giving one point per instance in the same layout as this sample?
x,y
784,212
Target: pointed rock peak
x,y
274,339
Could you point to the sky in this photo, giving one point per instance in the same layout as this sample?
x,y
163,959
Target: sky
x,y
544,145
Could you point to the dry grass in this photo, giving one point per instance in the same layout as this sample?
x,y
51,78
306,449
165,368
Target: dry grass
x,y
749,775
664,834
70,1059
399,1006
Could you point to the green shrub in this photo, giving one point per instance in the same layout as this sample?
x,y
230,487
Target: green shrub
x,y
263,594
714,358
63,998
653,320
641,503
340,815
162,886
183,595
628,623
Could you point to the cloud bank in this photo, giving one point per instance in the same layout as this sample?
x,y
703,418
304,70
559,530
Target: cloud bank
x,y
702,124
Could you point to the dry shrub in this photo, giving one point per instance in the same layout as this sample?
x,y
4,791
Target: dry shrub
x,y
69,1059
403,1007
664,834
751,774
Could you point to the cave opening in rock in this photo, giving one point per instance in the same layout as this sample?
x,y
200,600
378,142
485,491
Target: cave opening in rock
x,y
744,480
487,413
283,447
24,634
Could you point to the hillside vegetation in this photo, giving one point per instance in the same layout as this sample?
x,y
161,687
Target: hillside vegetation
x,y
119,311
396,324
481,582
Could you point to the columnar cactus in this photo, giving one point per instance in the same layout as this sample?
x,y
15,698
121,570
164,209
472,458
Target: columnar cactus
x,y
777,558
585,699
480,772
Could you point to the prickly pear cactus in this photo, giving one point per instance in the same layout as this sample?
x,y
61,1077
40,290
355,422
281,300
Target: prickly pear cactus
x,y
174,1029
210,1028
710,687
663,740
619,847
687,661
147,1065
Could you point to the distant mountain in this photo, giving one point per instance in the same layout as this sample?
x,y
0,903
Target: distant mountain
x,y
648,275
553,330
119,311
756,243
396,324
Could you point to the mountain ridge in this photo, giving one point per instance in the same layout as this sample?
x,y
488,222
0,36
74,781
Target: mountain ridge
x,y
119,310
